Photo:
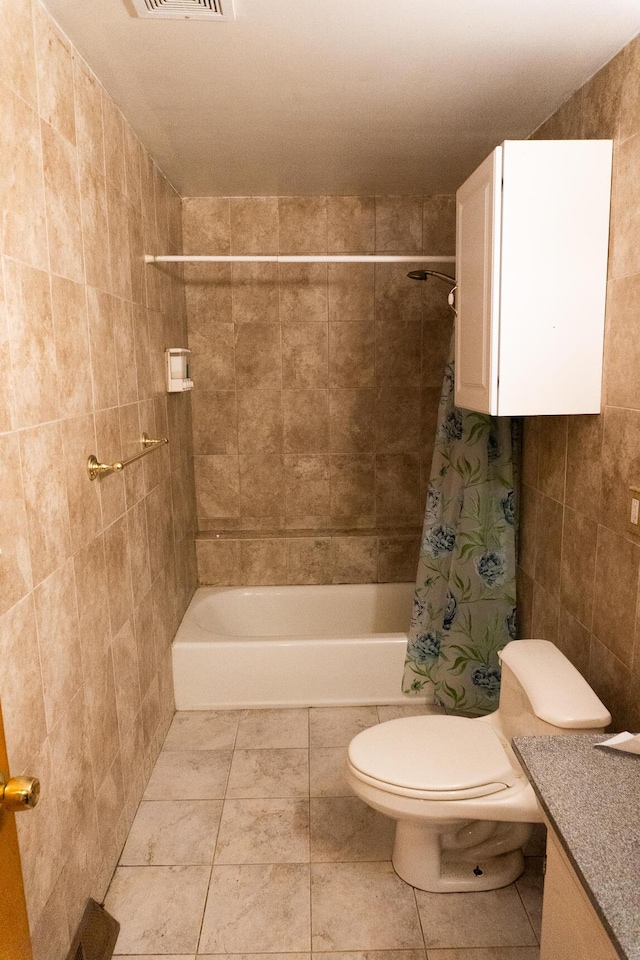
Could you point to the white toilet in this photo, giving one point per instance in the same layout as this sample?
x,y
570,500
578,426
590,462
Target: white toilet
x,y
463,803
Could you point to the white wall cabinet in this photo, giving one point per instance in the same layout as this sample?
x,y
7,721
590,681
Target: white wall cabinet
x,y
532,238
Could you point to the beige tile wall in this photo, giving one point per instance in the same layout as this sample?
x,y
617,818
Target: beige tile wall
x,y
579,566
93,577
316,386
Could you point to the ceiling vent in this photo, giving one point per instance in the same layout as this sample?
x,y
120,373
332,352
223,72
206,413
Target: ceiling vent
x,y
185,9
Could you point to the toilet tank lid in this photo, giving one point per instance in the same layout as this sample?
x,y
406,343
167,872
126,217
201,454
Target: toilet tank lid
x,y
557,692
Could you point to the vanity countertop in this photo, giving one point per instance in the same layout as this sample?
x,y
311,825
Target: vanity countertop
x,y
591,797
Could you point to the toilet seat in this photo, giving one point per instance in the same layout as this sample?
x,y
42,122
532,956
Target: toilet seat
x,y
432,758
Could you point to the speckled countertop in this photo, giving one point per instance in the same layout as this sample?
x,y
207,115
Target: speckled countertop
x,y
592,798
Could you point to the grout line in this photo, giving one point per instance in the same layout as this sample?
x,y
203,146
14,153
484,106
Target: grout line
x,y
415,900
524,906
215,845
264,863
206,899
298,953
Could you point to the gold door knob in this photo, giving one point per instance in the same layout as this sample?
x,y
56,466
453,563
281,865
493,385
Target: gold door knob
x,y
19,793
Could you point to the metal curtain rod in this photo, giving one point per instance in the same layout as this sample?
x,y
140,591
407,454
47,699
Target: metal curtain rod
x,y
96,470
359,258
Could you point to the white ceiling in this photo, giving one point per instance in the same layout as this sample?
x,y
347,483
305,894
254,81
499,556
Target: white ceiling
x,y
351,97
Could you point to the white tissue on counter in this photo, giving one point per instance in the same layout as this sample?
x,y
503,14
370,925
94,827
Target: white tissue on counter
x,y
627,742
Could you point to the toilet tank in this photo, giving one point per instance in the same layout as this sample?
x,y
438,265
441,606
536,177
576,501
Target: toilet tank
x,y
543,694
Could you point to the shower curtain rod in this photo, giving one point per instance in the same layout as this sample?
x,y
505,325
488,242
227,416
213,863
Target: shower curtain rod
x,y
360,258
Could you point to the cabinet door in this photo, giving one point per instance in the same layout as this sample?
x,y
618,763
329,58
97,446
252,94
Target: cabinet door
x,y
555,228
478,203
571,930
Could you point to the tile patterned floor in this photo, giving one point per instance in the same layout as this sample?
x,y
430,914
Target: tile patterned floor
x,y
248,842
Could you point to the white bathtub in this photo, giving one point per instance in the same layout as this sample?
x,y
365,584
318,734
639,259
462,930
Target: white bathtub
x,y
292,646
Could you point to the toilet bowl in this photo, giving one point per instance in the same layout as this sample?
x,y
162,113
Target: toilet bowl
x,y
463,805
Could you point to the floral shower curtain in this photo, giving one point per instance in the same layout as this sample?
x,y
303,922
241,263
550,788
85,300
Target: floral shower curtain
x,y
464,606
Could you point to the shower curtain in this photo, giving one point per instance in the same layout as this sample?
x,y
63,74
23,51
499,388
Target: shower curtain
x,y
464,607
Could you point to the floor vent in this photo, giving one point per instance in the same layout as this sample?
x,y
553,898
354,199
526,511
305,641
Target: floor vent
x,y
96,936
186,9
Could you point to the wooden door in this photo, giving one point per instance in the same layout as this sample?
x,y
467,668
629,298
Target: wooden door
x,y
15,943
478,203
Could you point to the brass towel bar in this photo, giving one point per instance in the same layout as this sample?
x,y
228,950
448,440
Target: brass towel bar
x,y
96,470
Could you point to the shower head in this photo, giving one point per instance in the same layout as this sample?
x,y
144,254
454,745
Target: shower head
x,y
425,274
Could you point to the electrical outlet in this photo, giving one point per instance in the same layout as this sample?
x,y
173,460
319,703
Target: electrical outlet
x,y
633,510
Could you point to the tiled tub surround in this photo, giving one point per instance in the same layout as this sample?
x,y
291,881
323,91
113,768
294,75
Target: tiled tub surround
x,y
94,577
253,557
261,849
316,385
579,567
